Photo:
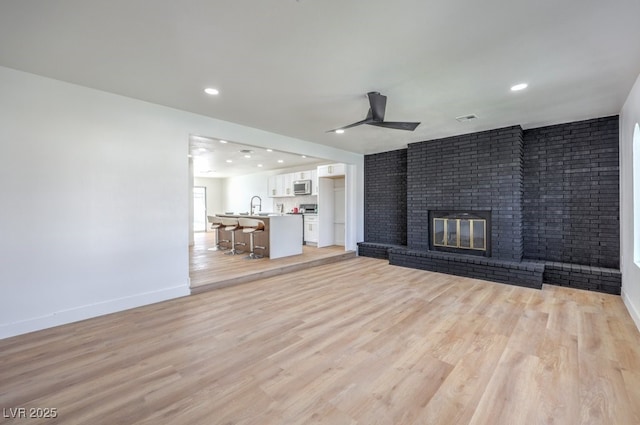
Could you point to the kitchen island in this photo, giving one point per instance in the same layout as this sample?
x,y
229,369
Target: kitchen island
x,y
282,235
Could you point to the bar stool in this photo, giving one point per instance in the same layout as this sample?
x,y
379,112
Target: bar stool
x,y
216,224
252,226
232,225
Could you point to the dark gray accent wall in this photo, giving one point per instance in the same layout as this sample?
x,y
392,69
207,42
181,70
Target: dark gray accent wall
x,y
472,172
571,193
385,197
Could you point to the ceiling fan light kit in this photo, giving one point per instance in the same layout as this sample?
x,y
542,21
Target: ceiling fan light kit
x,y
375,116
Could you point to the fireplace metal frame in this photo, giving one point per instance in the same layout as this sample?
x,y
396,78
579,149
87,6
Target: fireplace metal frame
x,y
460,215
458,232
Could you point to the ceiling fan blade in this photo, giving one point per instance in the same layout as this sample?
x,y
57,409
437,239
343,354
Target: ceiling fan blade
x,y
409,126
378,103
375,116
366,121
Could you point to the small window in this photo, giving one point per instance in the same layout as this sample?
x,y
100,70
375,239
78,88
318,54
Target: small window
x,y
636,194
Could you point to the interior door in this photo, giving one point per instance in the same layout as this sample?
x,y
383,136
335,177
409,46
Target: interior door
x,y
199,209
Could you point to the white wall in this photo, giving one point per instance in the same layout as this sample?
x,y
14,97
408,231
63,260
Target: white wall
x,y
94,203
95,200
629,116
239,190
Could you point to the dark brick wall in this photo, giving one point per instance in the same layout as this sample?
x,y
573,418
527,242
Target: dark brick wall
x,y
385,197
473,172
571,193
553,193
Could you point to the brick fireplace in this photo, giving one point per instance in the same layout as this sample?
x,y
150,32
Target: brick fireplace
x,y
538,187
474,172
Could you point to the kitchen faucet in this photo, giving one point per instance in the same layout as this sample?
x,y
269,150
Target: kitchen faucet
x,y
251,207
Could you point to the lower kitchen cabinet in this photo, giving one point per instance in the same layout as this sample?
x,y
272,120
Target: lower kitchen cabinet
x,y
311,229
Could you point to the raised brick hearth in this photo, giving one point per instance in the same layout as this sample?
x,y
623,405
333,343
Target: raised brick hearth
x,y
552,194
521,273
529,273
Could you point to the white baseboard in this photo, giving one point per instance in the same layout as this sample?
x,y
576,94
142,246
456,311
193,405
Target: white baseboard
x,y
633,311
91,310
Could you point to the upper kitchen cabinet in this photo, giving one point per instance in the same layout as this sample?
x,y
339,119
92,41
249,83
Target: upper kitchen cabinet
x,y
332,170
286,184
271,186
302,175
280,186
314,182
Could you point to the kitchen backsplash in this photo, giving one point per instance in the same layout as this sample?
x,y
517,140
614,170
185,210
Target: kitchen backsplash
x,y
289,203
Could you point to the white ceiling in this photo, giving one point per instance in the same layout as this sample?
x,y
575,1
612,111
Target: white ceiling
x,y
219,158
300,68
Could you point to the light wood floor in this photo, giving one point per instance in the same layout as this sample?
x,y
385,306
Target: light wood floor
x,y
213,269
355,342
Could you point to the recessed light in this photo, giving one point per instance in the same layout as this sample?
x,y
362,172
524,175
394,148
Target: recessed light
x,y
304,156
269,150
259,165
211,91
280,161
247,156
223,141
229,161
339,131
519,87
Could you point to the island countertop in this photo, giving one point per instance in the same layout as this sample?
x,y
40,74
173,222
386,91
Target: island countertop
x,y
282,234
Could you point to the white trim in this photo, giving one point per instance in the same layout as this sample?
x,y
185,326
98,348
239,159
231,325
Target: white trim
x,y
635,170
351,208
633,311
91,310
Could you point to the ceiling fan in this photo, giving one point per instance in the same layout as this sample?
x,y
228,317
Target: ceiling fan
x,y
375,116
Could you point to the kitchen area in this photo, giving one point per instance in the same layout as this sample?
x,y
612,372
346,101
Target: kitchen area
x,y
301,204
302,213
297,194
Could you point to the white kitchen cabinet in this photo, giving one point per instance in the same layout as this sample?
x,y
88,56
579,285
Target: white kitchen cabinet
x,y
314,182
280,186
331,170
285,184
311,229
272,187
302,175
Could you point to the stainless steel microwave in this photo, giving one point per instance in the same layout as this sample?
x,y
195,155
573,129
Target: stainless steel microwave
x,y
302,187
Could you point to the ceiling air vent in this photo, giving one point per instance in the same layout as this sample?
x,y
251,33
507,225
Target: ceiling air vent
x,y
465,118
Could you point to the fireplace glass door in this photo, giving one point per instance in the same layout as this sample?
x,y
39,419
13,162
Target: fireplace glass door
x,y
460,233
